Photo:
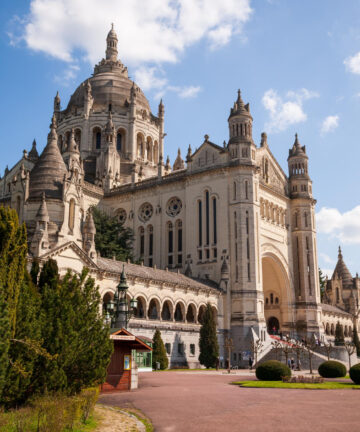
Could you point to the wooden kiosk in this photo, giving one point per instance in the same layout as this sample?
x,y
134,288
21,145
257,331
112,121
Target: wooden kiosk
x,y
122,372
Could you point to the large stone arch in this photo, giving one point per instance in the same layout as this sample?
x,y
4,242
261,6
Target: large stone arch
x,y
278,294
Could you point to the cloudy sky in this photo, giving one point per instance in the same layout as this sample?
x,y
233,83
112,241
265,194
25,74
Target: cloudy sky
x,y
296,61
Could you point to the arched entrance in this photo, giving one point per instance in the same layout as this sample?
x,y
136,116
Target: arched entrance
x,y
273,325
277,298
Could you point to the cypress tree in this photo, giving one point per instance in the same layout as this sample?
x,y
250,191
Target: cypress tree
x,y
112,238
13,249
209,347
356,341
339,335
159,352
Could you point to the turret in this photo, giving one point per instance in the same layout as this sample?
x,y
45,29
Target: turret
x,y
161,115
300,182
240,129
40,240
111,45
179,163
33,153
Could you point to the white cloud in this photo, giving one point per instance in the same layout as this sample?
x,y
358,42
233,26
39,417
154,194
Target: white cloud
x,y
326,259
284,112
149,31
150,77
329,124
327,272
68,75
352,63
342,226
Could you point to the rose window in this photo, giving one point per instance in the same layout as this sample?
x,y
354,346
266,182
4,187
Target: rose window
x,y
174,207
145,212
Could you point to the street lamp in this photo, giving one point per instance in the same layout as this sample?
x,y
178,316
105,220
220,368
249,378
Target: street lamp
x,y
120,310
229,345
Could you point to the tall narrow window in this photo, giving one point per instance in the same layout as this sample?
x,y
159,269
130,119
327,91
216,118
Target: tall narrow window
x,y
200,222
72,214
119,142
207,218
142,241
98,140
214,220
151,245
179,242
234,189
246,189
306,219
170,244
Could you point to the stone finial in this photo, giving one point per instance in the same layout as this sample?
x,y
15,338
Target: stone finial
x,y
33,153
73,147
25,154
189,153
57,102
167,164
263,142
179,163
206,138
339,253
161,109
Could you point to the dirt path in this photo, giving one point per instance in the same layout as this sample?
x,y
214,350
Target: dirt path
x,y
113,420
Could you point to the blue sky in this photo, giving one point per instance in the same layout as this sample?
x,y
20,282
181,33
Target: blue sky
x,y
296,61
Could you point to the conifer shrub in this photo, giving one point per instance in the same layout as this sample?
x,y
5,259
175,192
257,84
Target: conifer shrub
x,y
272,370
332,369
355,373
159,352
208,343
89,398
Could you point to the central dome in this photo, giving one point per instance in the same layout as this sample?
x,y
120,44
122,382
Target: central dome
x,y
109,85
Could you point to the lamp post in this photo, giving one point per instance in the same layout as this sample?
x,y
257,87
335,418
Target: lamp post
x,y
120,310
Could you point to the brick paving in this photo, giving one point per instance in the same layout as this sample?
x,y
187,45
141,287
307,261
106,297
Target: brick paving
x,y
187,402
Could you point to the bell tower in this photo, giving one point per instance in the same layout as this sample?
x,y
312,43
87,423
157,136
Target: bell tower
x,y
303,234
240,130
111,45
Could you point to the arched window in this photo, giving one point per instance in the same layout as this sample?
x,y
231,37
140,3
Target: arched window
x,y
166,311
190,315
306,219
200,222
337,295
140,146
201,314
179,239
272,298
170,236
214,220
156,152
207,221
71,221
153,312
119,142
150,244
78,137
98,140
141,307
179,316
149,149
142,242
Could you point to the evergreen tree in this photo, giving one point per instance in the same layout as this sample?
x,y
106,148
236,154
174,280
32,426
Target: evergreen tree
x,y
34,272
112,238
159,352
356,341
339,335
24,349
322,283
13,249
73,332
209,348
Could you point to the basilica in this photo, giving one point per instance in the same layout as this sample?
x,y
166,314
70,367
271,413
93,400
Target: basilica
x,y
224,225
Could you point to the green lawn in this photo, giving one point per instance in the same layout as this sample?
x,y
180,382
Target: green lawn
x,y
279,384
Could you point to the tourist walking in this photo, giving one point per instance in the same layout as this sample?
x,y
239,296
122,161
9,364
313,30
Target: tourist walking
x,y
250,363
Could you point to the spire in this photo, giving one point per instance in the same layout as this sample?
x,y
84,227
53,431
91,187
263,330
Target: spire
x,y
340,254
43,214
48,173
342,271
161,109
189,153
111,45
179,162
57,102
33,153
239,107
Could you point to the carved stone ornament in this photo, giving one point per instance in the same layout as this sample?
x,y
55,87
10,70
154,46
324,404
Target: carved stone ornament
x,y
121,215
174,206
145,212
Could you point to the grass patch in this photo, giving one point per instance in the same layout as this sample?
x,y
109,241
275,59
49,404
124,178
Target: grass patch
x,y
144,420
187,370
328,385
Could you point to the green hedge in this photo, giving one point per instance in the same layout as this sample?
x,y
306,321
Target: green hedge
x,y
332,369
272,370
355,373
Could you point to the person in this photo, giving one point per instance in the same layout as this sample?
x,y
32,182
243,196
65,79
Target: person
x,y
217,363
250,363
292,363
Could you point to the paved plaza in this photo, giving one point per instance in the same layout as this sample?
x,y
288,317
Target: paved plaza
x,y
190,401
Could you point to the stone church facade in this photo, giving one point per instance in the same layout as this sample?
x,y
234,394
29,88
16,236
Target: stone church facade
x,y
225,226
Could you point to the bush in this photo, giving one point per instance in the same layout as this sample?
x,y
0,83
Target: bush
x,y
272,370
355,373
89,397
332,369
